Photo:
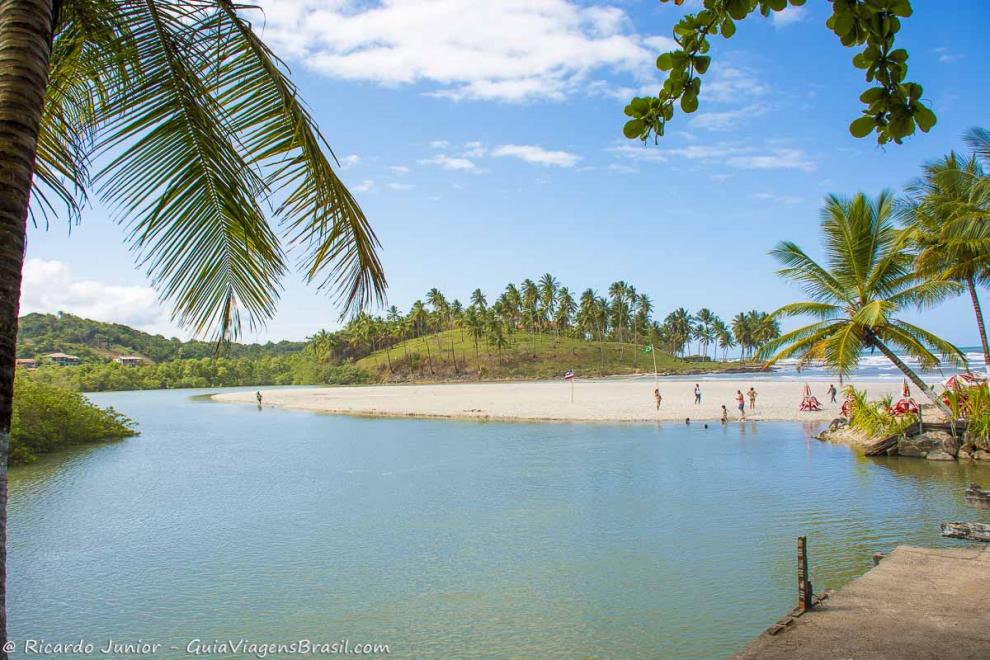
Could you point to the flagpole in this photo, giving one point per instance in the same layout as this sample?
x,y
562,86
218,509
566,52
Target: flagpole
x,y
656,378
572,390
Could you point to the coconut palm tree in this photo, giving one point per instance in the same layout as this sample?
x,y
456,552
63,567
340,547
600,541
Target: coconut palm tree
x,y
678,326
724,336
565,309
478,300
948,217
176,116
856,295
548,287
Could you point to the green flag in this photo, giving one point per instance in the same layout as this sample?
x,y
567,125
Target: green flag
x,y
648,348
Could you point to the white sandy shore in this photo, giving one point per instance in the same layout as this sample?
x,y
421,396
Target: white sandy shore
x,y
596,401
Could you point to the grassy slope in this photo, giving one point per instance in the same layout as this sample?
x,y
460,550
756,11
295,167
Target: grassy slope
x,y
527,357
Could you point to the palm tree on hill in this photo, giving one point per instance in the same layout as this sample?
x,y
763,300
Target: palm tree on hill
x,y
565,309
478,299
175,115
724,337
548,297
948,219
678,324
856,295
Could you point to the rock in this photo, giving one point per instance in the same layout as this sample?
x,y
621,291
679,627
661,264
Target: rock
x,y
969,447
964,455
838,423
939,455
920,445
892,451
978,442
968,531
981,455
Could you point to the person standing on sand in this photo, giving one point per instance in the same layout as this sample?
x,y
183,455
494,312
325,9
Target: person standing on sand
x,y
752,398
741,404
257,395
832,392
725,414
656,395
697,394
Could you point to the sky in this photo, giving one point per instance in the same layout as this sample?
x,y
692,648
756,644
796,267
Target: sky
x,y
484,142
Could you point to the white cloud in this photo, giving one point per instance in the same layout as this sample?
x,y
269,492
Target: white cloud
x,y
364,186
48,287
538,155
400,186
777,199
946,56
738,156
728,119
510,50
398,169
450,163
789,16
439,144
731,83
783,159
347,162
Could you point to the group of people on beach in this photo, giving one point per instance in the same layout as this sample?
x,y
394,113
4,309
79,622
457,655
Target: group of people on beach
x,y
741,398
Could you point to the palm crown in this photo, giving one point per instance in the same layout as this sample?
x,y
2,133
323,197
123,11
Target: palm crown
x,y
868,278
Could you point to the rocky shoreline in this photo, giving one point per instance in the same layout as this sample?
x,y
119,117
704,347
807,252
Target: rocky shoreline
x,y
934,442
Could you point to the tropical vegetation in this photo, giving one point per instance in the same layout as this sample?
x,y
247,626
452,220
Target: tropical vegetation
x,y
48,418
856,296
875,419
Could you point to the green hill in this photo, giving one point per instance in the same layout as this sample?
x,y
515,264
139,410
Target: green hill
x,y
453,355
95,341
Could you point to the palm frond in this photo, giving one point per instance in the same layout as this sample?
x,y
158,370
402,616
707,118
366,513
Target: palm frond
x,y
925,339
181,181
799,341
318,213
817,282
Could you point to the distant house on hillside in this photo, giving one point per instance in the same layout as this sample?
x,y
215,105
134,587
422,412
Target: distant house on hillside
x,y
26,363
129,360
61,359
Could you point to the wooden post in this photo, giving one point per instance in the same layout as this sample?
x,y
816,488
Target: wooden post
x,y
804,585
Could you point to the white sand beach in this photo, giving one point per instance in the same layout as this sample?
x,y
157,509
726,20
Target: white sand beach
x,y
597,401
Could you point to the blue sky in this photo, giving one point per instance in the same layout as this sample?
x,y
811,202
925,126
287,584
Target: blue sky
x,y
484,142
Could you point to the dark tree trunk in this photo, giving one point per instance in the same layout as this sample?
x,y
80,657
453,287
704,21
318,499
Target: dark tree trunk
x,y
979,323
429,356
25,40
914,378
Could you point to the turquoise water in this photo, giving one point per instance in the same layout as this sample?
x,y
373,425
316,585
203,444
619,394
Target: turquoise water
x,y
443,538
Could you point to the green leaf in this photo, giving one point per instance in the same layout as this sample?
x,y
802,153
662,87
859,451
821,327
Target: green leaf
x,y
665,62
689,102
633,128
924,117
728,28
701,63
862,126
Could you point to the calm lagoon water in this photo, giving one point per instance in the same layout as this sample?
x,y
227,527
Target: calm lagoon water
x,y
443,538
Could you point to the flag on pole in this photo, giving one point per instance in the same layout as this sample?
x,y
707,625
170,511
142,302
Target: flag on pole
x,y
569,375
648,348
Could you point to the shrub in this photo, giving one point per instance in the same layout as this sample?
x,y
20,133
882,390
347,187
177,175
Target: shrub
x,y
973,405
48,418
873,418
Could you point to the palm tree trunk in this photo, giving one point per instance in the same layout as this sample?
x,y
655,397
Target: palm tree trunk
x,y
914,378
389,356
971,283
429,356
25,45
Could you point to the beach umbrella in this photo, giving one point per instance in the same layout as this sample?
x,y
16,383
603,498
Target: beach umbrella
x,y
905,390
807,389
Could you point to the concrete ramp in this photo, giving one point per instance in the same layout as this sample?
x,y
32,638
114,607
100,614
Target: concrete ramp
x,y
917,603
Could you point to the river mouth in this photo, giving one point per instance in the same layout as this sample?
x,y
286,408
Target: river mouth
x,y
450,538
